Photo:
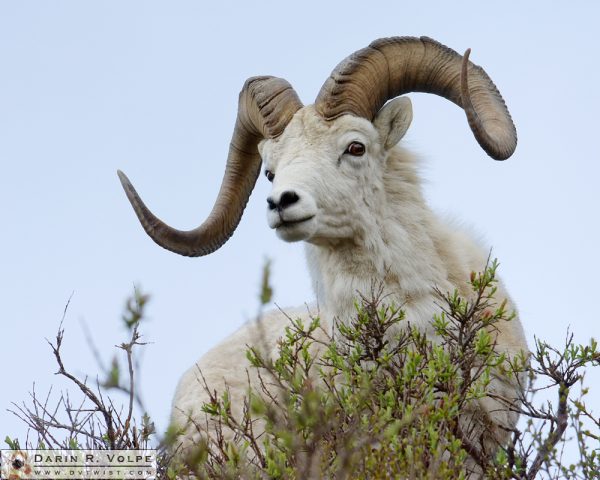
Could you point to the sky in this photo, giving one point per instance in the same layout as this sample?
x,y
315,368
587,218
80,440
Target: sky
x,y
151,88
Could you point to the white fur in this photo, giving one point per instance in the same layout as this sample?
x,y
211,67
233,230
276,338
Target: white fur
x,y
366,220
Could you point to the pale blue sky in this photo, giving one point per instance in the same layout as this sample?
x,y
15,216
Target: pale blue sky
x,y
151,88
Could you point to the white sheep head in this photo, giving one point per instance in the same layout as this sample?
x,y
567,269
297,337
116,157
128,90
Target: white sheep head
x,y
329,152
328,175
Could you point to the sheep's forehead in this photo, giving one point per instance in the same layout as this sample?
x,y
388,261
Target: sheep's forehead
x,y
309,132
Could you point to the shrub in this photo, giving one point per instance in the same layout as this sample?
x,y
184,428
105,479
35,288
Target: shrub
x,y
374,398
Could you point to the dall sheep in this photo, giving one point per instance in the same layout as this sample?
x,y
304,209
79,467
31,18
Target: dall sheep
x,y
343,186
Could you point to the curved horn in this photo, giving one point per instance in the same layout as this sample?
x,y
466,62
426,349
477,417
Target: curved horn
x,y
388,67
266,105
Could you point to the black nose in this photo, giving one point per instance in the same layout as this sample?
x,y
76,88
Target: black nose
x,y
289,197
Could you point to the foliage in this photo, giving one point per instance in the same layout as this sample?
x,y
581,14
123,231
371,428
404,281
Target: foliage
x,y
371,397
376,398
95,421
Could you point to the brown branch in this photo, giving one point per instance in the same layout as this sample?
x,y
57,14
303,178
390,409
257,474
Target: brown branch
x,y
555,435
84,388
128,348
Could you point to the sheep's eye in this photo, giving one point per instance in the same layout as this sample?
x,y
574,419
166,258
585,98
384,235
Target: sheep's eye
x,y
270,175
356,149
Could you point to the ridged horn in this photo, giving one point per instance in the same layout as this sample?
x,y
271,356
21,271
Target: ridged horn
x,y
389,67
266,105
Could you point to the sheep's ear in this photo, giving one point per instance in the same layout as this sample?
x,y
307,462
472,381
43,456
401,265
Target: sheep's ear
x,y
393,120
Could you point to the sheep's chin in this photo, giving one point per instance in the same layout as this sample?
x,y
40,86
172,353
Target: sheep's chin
x,y
296,232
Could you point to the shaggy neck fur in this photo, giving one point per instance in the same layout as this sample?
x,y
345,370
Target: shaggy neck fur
x,y
396,245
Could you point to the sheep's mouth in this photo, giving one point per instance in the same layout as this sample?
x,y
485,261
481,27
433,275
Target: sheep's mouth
x,y
297,229
291,223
